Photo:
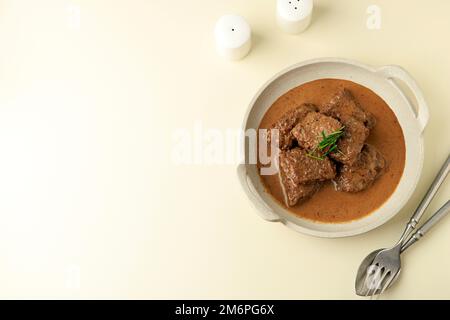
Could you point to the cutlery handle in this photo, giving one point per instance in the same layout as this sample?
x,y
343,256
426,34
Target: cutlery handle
x,y
432,191
434,219
440,177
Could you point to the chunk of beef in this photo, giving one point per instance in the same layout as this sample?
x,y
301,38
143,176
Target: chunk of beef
x,y
299,168
357,177
287,122
308,131
351,143
295,193
301,176
343,106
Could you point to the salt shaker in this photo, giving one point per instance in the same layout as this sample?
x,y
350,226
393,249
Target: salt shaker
x,y
233,37
294,16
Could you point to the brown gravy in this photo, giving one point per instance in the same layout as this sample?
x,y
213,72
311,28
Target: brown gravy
x,y
328,205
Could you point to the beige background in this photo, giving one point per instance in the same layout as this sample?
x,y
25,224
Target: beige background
x,y
91,205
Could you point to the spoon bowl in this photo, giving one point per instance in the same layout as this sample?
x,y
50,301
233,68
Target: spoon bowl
x,y
361,275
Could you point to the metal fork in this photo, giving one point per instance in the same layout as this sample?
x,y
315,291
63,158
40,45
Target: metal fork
x,y
382,279
386,263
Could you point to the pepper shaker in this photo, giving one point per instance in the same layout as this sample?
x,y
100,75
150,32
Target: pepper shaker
x,y
294,16
233,37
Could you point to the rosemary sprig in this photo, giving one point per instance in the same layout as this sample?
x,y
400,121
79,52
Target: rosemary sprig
x,y
327,145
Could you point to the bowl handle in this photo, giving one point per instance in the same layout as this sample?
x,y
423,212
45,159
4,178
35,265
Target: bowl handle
x,y
392,73
264,211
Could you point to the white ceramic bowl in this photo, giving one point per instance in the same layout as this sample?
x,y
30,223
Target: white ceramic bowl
x,y
391,83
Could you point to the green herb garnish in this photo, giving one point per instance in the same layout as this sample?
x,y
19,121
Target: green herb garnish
x,y
327,145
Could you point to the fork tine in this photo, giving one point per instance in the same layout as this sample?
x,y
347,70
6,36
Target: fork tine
x,y
387,278
378,285
388,282
372,279
384,272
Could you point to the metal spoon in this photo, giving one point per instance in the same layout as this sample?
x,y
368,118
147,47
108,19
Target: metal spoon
x,y
363,281
384,265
